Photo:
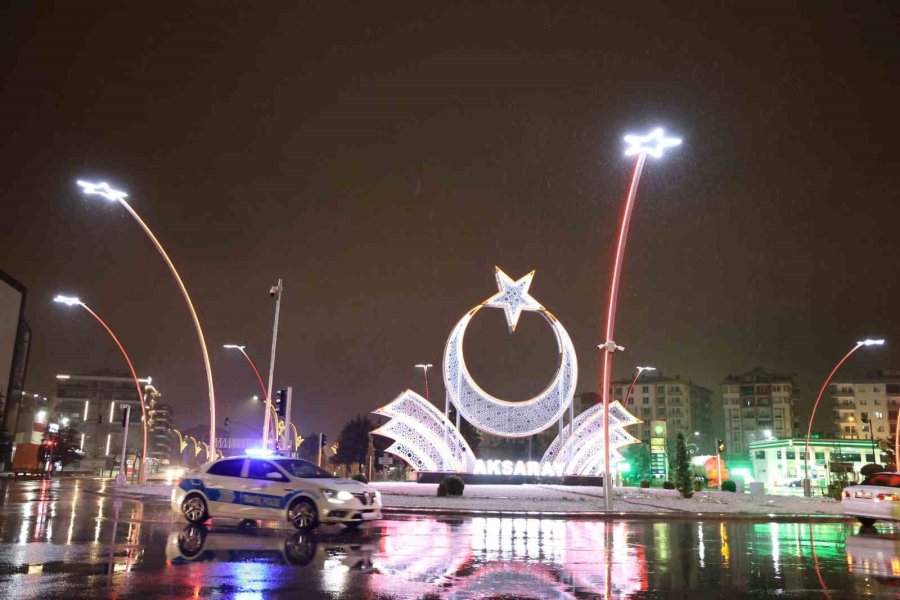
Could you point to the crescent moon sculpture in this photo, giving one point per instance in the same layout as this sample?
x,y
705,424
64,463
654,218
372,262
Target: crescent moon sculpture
x,y
501,417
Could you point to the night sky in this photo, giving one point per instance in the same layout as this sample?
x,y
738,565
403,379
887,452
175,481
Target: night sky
x,y
383,157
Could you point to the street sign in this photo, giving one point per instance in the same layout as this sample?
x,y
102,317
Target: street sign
x,y
385,461
53,428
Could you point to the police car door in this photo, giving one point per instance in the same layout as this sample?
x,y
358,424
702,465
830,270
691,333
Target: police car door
x,y
223,483
265,489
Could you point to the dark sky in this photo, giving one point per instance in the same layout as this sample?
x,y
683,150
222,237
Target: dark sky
x,y
383,157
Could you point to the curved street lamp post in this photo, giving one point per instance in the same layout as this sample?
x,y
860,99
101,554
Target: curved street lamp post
x,y
653,144
72,301
262,386
103,190
807,487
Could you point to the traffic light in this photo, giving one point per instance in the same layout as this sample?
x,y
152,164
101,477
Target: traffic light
x,y
281,403
720,446
324,440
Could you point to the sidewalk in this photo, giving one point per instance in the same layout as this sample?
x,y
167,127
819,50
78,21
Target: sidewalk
x,y
588,501
563,501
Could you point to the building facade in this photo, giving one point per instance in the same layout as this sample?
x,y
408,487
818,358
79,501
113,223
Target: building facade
x,y
685,406
866,408
758,406
161,442
781,462
93,405
15,345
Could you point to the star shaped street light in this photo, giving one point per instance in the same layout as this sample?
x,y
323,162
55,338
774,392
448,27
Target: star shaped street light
x,y
262,386
142,472
104,190
653,144
513,297
807,488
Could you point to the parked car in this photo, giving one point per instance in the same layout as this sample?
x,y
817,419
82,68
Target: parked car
x,y
875,499
274,488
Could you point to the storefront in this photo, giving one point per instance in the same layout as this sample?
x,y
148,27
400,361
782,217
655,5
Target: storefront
x,y
781,462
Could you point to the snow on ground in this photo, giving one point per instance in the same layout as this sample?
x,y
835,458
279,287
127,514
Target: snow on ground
x,y
161,490
558,498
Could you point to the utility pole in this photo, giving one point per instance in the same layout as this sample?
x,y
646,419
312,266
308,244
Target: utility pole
x,y
275,292
370,458
720,447
126,421
321,444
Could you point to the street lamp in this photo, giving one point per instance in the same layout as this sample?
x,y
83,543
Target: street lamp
x,y
103,190
425,375
262,386
653,144
634,381
72,301
807,487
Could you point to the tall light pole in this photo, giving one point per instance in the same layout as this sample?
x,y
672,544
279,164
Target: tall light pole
x,y
807,487
275,291
72,301
634,381
652,144
425,375
268,403
103,190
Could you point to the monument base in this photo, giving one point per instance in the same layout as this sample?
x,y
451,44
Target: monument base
x,y
482,479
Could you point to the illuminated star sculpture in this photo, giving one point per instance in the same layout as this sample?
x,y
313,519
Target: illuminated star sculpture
x,y
102,189
654,143
513,297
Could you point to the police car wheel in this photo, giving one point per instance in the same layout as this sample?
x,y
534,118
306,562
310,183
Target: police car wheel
x,y
303,515
191,540
194,509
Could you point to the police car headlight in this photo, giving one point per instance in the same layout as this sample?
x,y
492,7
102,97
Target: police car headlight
x,y
337,497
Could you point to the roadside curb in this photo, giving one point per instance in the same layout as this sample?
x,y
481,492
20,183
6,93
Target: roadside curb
x,y
615,515
127,496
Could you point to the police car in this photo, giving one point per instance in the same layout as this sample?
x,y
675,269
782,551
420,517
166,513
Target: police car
x,y
269,487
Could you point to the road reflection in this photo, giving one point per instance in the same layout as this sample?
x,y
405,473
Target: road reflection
x,y
56,540
874,558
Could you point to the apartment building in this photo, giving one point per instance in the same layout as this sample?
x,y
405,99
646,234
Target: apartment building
x,y
685,406
759,405
866,408
92,404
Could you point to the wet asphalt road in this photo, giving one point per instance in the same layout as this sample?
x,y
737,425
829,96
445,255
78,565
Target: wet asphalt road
x,y
59,540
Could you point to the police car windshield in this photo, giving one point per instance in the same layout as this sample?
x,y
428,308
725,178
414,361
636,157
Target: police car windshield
x,y
302,468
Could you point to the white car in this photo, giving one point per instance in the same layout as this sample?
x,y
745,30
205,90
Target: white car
x,y
875,499
274,488
195,543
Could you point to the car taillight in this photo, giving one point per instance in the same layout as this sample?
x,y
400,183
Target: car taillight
x,y
888,497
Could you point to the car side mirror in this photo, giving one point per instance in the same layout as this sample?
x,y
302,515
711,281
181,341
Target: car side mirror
x,y
275,476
